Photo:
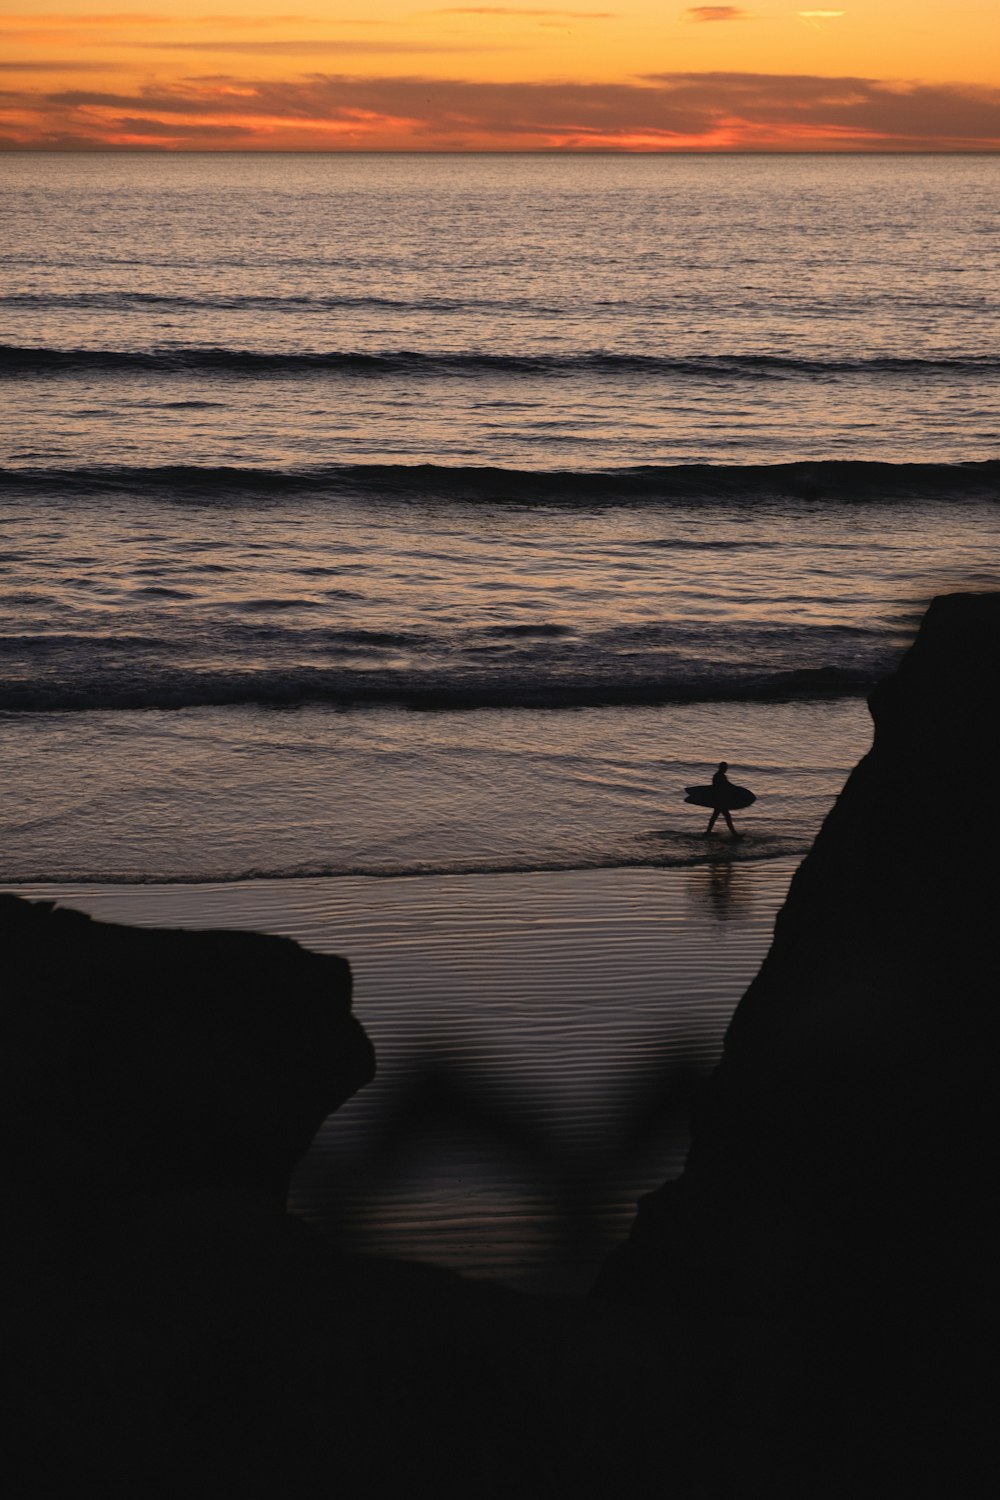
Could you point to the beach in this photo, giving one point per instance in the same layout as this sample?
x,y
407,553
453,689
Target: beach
x,y
538,1037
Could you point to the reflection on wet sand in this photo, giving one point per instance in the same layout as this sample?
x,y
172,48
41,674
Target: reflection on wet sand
x,y
723,887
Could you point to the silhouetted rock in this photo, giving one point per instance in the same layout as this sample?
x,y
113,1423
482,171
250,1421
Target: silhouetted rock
x,y
837,1217
159,1088
168,1330
142,1060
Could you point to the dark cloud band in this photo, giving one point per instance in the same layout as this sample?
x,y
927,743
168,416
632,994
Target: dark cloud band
x,y
660,111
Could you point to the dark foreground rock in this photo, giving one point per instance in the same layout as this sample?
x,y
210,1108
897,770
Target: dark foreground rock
x,y
139,1060
168,1331
838,1215
205,1345
158,1089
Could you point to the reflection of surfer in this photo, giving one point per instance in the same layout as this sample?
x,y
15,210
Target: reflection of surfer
x,y
723,789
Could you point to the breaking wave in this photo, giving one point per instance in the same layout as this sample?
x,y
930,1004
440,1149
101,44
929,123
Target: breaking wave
x,y
17,360
846,480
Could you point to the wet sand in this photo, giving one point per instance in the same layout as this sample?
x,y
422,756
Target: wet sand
x,y
538,1040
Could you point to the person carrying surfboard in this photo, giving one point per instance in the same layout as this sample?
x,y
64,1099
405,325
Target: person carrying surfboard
x,y
722,786
721,795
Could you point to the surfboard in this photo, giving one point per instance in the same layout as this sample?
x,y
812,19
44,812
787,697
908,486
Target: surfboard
x,y
707,796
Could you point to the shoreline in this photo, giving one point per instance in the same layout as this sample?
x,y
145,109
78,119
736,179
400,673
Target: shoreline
x,y
204,797
747,849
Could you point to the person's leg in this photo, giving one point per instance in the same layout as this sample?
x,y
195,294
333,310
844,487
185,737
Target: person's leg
x,y
729,822
711,821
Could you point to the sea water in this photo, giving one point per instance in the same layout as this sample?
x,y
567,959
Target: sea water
x,y
391,512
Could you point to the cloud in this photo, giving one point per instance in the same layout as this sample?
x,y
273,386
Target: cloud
x,y
660,112
232,18
152,18
306,46
516,10
167,102
813,18
51,65
715,13
88,18
43,27
144,126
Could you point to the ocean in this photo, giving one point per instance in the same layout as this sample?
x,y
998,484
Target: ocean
x,y
387,518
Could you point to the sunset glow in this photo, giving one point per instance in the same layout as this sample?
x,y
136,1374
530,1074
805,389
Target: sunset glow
x,y
877,75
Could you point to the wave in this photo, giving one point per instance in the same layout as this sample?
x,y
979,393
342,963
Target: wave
x,y
257,302
159,688
860,481
204,299
230,302
18,360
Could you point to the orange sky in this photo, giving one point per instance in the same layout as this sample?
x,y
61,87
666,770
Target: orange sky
x,y
877,75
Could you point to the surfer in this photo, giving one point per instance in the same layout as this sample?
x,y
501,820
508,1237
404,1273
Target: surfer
x,y
721,795
723,789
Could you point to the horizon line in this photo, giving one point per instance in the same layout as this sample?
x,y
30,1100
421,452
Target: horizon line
x,y
168,151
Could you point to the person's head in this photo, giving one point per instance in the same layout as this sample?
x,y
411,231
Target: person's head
x,y
723,765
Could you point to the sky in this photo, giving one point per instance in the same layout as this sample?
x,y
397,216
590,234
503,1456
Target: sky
x,y
879,75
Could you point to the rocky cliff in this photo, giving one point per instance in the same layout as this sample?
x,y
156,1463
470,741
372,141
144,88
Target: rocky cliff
x,y
840,1197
